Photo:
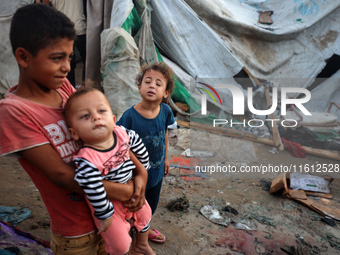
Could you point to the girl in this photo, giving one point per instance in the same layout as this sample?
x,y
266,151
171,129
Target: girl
x,y
150,119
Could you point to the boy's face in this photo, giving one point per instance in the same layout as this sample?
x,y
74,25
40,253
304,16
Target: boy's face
x,y
91,118
51,65
153,87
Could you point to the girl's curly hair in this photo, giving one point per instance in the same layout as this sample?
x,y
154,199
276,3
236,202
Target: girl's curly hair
x,y
160,67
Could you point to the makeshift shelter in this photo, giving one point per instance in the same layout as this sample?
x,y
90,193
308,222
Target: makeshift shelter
x,y
215,42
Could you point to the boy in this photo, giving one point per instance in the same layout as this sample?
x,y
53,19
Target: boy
x,y
32,128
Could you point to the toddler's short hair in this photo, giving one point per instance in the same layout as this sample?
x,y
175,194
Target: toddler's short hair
x,y
82,91
35,26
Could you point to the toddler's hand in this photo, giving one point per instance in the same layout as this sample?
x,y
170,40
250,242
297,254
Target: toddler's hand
x,y
104,225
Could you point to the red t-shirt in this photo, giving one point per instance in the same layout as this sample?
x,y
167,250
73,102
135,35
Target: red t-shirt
x,y
25,124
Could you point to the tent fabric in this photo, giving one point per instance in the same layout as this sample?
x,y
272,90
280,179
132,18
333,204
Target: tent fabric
x,y
9,71
326,92
303,35
136,21
189,42
289,53
211,41
98,18
120,66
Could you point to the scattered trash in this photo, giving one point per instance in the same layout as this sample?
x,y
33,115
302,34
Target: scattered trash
x,y
187,167
274,150
244,225
329,221
15,241
180,204
289,249
265,17
171,180
309,182
265,184
220,191
184,162
262,219
295,149
229,209
13,215
213,215
200,154
191,175
305,247
333,241
323,206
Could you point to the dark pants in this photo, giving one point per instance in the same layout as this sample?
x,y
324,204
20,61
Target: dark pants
x,y
152,196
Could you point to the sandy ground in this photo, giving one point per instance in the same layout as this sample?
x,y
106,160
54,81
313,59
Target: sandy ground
x,y
275,221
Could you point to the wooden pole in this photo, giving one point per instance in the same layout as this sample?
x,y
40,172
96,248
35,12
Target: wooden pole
x,y
251,137
276,135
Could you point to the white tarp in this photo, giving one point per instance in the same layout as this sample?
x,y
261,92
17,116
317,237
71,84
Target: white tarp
x,y
9,72
289,53
189,42
303,35
215,39
326,92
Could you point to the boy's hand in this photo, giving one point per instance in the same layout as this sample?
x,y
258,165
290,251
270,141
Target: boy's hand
x,y
138,198
104,225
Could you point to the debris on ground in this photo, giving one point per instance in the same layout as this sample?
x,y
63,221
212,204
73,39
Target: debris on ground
x,y
180,204
212,214
323,206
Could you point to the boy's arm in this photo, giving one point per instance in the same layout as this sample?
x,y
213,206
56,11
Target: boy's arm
x,y
140,179
48,161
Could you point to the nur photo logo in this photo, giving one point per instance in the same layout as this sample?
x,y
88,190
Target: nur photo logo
x,y
204,97
238,99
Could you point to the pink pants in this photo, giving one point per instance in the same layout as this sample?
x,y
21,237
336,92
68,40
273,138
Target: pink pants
x,y
117,238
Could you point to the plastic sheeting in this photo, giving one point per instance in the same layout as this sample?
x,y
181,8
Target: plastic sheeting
x,y
303,35
189,42
326,92
215,39
120,66
9,71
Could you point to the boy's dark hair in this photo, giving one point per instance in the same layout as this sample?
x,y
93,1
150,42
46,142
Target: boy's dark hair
x,y
35,26
160,67
68,105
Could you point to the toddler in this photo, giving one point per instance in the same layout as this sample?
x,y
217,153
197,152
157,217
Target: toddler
x,y
105,155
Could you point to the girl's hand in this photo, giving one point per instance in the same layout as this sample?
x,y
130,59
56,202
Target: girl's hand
x,y
166,167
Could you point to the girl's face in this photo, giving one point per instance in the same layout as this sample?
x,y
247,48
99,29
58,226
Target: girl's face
x,y
91,119
153,87
51,65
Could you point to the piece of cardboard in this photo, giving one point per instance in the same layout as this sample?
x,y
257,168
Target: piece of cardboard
x,y
323,206
309,182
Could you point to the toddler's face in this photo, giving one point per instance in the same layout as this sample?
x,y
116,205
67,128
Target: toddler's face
x,y
153,87
91,118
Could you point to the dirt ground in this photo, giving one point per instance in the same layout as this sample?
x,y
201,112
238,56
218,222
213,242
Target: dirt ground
x,y
275,221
